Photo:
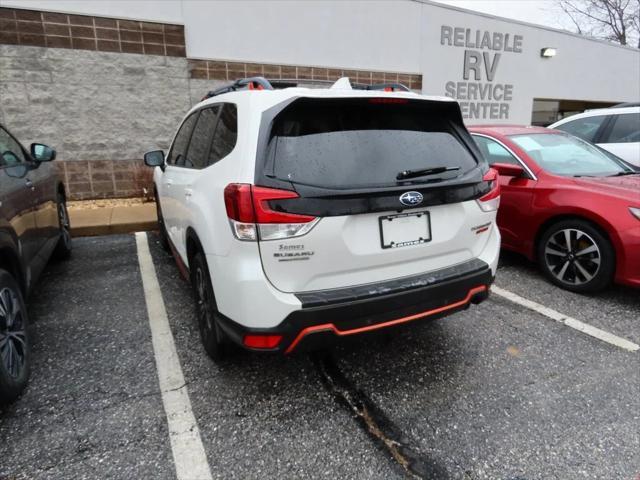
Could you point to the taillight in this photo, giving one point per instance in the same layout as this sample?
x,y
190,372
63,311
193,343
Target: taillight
x,y
251,217
490,201
388,100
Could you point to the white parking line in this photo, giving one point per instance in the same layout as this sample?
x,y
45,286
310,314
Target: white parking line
x,y
566,320
186,445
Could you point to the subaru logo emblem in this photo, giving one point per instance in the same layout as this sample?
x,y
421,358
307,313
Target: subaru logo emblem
x,y
411,198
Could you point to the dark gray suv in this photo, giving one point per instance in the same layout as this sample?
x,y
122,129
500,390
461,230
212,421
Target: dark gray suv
x,y
34,225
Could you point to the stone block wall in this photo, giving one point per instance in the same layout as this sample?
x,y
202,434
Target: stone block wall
x,y
103,91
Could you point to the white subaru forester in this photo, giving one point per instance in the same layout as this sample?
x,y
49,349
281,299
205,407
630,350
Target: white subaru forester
x,y
301,215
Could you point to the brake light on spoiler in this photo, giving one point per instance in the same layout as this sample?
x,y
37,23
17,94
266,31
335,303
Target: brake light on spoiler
x,y
490,201
251,218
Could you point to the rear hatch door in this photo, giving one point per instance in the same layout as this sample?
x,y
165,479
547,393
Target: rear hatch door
x,y
345,158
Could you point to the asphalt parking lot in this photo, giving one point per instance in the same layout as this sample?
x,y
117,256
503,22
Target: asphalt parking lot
x,y
499,391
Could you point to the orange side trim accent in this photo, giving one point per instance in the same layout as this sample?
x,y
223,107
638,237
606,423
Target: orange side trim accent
x,y
397,321
182,268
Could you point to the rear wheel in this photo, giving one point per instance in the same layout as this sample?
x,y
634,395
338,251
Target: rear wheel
x,y
15,351
206,308
574,255
64,246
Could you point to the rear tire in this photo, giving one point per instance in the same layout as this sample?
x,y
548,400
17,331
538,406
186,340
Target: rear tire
x,y
206,308
15,348
164,241
574,255
65,245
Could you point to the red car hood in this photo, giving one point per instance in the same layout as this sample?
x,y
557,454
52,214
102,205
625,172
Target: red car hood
x,y
626,186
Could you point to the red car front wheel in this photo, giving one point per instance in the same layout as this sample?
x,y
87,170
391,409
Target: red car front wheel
x,y
576,256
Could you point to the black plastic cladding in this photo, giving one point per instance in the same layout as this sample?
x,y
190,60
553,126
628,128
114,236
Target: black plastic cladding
x,y
326,202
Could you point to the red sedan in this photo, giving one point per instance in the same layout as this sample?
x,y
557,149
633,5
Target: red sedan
x,y
567,204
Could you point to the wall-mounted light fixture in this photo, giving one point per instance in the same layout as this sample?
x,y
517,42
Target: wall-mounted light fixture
x,y
548,52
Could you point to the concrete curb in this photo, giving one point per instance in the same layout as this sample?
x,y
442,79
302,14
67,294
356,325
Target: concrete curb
x,y
87,222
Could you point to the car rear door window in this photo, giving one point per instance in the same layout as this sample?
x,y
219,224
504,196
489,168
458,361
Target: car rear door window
x,y
362,143
626,128
226,134
179,148
494,152
585,128
198,150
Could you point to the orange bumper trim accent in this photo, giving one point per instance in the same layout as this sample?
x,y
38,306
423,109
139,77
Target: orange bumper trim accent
x,y
377,326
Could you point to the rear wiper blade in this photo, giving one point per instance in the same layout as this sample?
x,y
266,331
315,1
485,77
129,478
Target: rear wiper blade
x,y
424,172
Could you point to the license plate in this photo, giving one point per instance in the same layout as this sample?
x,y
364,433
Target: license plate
x,y
405,229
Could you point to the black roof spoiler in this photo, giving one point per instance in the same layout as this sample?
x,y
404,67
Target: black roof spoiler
x,y
261,83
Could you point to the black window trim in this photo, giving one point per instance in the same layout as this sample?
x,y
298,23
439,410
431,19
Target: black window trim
x,y
213,134
222,105
602,135
197,112
527,170
210,106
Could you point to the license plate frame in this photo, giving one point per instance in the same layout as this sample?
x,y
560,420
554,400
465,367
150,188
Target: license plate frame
x,y
389,243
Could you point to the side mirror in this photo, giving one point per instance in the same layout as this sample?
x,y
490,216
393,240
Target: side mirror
x,y
508,169
42,153
154,158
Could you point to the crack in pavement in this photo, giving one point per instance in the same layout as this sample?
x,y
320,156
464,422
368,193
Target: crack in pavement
x,y
377,425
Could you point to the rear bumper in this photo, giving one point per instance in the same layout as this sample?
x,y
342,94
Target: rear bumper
x,y
328,315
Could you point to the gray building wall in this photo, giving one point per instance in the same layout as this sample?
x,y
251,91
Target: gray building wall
x,y
93,106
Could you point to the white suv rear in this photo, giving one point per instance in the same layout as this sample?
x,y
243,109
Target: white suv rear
x,y
301,215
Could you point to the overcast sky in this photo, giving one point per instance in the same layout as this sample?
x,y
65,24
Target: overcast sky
x,y
542,12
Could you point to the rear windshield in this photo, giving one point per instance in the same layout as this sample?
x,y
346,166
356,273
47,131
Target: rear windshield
x,y
354,144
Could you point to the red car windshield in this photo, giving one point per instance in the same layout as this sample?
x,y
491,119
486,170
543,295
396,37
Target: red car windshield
x,y
569,156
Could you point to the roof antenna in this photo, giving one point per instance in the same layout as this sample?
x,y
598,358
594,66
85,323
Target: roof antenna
x,y
342,84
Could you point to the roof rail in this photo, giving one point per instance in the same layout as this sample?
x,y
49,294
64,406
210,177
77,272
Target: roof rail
x,y
261,83
292,82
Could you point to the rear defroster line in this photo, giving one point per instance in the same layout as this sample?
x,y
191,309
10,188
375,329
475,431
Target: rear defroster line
x,y
377,425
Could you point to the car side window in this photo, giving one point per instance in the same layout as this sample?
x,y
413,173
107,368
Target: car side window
x,y
585,128
11,152
179,148
626,128
198,150
493,152
226,134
